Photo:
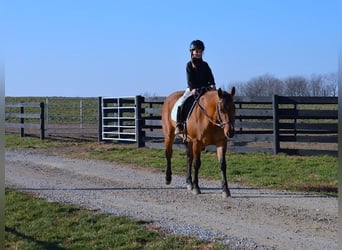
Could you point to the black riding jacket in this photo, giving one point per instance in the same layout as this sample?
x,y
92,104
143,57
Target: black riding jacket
x,y
199,76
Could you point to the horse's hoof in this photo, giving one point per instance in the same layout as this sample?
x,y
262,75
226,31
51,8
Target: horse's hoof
x,y
168,181
226,195
189,187
196,191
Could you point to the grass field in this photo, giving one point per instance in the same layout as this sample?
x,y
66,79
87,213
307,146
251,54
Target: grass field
x,y
297,173
33,223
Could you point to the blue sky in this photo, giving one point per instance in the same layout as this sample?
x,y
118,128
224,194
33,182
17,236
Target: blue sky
x,y
132,47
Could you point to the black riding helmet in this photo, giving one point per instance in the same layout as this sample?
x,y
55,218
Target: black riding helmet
x,y
196,44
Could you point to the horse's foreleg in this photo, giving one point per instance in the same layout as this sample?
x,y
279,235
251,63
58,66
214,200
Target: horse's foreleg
x,y
168,155
189,161
221,155
197,165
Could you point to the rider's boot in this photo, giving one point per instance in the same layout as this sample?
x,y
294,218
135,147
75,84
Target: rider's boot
x,y
179,125
179,128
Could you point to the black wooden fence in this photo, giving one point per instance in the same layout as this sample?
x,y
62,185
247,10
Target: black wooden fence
x,y
305,120
29,116
294,125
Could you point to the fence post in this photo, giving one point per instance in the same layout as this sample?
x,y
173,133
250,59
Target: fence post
x,y
139,133
276,142
42,121
295,123
99,135
47,114
81,115
22,132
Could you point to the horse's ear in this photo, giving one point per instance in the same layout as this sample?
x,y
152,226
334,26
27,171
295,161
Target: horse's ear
x,y
220,92
232,92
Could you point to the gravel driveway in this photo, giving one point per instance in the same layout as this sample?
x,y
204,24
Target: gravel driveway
x,y
252,219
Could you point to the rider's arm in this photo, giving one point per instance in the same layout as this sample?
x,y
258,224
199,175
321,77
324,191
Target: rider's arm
x,y
210,77
189,75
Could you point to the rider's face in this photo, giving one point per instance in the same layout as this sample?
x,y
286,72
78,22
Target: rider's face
x,y
197,53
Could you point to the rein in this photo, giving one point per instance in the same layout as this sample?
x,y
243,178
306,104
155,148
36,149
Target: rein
x,y
221,123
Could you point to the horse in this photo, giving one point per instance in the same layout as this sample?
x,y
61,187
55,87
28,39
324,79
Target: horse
x,y
210,123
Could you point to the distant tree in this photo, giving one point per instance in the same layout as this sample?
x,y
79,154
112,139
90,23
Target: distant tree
x,y
268,85
323,85
316,85
264,85
146,94
296,86
240,88
330,83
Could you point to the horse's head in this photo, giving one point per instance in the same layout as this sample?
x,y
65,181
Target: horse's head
x,y
226,111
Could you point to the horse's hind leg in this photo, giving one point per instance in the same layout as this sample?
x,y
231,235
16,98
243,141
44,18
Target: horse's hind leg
x,y
168,155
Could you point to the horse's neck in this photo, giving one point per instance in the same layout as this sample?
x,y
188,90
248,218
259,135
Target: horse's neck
x,y
211,98
208,102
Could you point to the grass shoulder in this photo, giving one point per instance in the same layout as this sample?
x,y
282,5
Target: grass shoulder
x,y
33,223
317,174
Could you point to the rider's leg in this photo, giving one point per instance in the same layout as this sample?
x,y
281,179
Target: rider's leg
x,y
179,124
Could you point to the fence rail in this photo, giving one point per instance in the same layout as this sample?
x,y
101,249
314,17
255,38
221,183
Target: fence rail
x,y
21,117
310,119
265,124
72,116
293,125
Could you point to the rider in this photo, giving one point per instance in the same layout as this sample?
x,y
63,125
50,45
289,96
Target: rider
x,y
198,74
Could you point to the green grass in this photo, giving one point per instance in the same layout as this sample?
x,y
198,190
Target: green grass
x,y
33,223
14,141
297,173
59,108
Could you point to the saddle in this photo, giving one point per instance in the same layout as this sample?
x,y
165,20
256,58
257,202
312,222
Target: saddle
x,y
186,108
189,104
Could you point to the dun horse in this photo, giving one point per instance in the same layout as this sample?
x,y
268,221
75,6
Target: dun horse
x,y
211,123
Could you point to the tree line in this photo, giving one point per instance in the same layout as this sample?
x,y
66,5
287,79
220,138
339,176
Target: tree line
x,y
269,85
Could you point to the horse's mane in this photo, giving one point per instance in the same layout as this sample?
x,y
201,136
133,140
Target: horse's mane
x,y
225,95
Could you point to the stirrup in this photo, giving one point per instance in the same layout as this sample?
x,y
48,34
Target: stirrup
x,y
179,128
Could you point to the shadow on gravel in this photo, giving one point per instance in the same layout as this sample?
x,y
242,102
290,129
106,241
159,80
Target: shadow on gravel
x,y
102,189
264,194
205,191
277,196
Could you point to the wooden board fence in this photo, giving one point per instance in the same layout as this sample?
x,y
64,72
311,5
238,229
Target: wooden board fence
x,y
293,125
265,124
25,116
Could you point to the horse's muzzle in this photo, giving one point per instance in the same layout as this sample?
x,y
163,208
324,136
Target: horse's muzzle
x,y
231,133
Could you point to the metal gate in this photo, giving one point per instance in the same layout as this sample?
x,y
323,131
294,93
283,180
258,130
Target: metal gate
x,y
120,119
71,116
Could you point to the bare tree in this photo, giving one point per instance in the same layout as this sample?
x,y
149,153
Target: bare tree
x,y
240,88
296,86
264,85
323,85
268,85
330,83
316,85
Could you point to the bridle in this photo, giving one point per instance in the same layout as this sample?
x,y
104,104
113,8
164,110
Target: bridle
x,y
221,123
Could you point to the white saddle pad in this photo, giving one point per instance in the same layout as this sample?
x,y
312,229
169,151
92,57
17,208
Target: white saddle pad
x,y
174,109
